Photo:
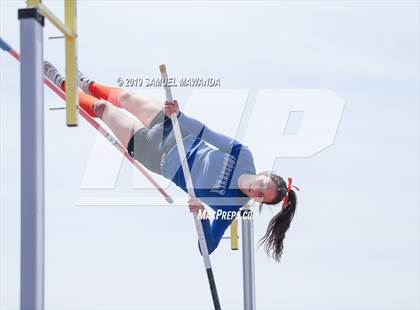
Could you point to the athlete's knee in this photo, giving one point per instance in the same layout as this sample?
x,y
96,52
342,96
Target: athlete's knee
x,y
125,97
100,107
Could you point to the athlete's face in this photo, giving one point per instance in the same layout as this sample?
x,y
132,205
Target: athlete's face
x,y
261,189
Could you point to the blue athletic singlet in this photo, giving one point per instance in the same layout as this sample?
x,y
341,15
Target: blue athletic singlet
x,y
216,162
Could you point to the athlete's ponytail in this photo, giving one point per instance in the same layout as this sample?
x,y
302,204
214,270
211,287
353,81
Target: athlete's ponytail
x,y
280,223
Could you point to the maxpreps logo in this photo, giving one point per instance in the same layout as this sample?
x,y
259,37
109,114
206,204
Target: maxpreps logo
x,y
274,124
225,215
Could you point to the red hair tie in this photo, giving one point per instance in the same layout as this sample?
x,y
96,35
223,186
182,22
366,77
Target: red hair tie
x,y
289,187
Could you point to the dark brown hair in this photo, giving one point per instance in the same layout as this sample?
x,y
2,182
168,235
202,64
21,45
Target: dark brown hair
x,y
280,223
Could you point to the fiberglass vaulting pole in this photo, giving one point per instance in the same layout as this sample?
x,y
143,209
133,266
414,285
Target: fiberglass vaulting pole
x,y
32,160
190,189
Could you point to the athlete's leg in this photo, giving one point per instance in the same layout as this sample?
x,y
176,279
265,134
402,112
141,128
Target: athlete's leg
x,y
123,126
87,103
145,108
110,94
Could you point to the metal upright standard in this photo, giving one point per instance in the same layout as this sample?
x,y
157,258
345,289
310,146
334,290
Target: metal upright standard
x,y
32,160
248,262
190,189
32,140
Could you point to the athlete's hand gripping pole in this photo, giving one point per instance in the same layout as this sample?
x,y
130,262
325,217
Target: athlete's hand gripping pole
x,y
6,47
190,189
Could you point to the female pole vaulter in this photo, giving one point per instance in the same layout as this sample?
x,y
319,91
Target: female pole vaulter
x,y
223,174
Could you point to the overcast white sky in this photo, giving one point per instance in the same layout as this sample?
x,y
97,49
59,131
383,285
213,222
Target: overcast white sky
x,y
354,243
